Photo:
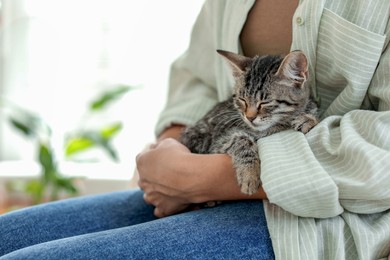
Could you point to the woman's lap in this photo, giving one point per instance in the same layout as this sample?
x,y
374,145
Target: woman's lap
x,y
120,225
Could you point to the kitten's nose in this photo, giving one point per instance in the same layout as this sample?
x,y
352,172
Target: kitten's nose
x,y
251,118
251,113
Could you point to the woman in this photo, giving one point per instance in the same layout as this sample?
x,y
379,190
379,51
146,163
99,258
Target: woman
x,y
324,194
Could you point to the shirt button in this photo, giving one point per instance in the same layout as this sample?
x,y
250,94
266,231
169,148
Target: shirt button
x,y
299,20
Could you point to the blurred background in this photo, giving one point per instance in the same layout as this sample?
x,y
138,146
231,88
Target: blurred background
x,y
81,85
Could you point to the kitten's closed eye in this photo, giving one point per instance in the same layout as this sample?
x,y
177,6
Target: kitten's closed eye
x,y
262,104
285,102
243,102
269,106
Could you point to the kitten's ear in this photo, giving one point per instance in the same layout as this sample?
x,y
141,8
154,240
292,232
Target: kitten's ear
x,y
294,67
237,62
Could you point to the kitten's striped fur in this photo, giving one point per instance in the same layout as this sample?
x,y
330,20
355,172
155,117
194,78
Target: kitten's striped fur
x,y
270,95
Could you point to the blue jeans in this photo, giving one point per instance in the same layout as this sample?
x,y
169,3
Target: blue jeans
x,y
120,225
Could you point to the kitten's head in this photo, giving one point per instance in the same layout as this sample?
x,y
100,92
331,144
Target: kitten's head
x,y
269,89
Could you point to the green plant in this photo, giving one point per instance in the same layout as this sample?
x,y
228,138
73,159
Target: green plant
x,y
52,182
83,140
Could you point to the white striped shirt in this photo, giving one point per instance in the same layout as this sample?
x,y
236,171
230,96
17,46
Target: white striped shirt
x,y
329,190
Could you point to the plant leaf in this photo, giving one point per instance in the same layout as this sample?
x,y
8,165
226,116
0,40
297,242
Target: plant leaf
x,y
96,138
22,127
36,189
110,150
108,97
67,185
78,144
46,159
30,124
45,156
109,131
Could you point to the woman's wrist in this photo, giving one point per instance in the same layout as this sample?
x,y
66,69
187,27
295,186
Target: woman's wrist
x,y
173,131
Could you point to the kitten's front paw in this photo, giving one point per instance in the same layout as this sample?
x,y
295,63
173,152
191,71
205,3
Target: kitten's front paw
x,y
249,180
304,123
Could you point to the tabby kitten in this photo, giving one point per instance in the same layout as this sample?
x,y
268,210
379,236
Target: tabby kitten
x,y
270,95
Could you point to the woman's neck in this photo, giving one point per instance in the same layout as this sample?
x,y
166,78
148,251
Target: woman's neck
x,y
268,28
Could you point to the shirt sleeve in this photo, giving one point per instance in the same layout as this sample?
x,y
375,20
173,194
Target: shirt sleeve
x,y
341,164
192,90
200,77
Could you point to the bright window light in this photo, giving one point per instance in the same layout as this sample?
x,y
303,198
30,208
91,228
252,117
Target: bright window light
x,y
57,55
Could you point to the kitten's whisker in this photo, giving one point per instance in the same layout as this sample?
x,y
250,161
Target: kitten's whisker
x,y
231,122
234,122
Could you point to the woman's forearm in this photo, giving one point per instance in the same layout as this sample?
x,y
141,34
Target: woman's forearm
x,y
215,175
173,178
215,179
173,131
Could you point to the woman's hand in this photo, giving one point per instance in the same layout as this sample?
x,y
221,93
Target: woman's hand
x,y
173,178
165,178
